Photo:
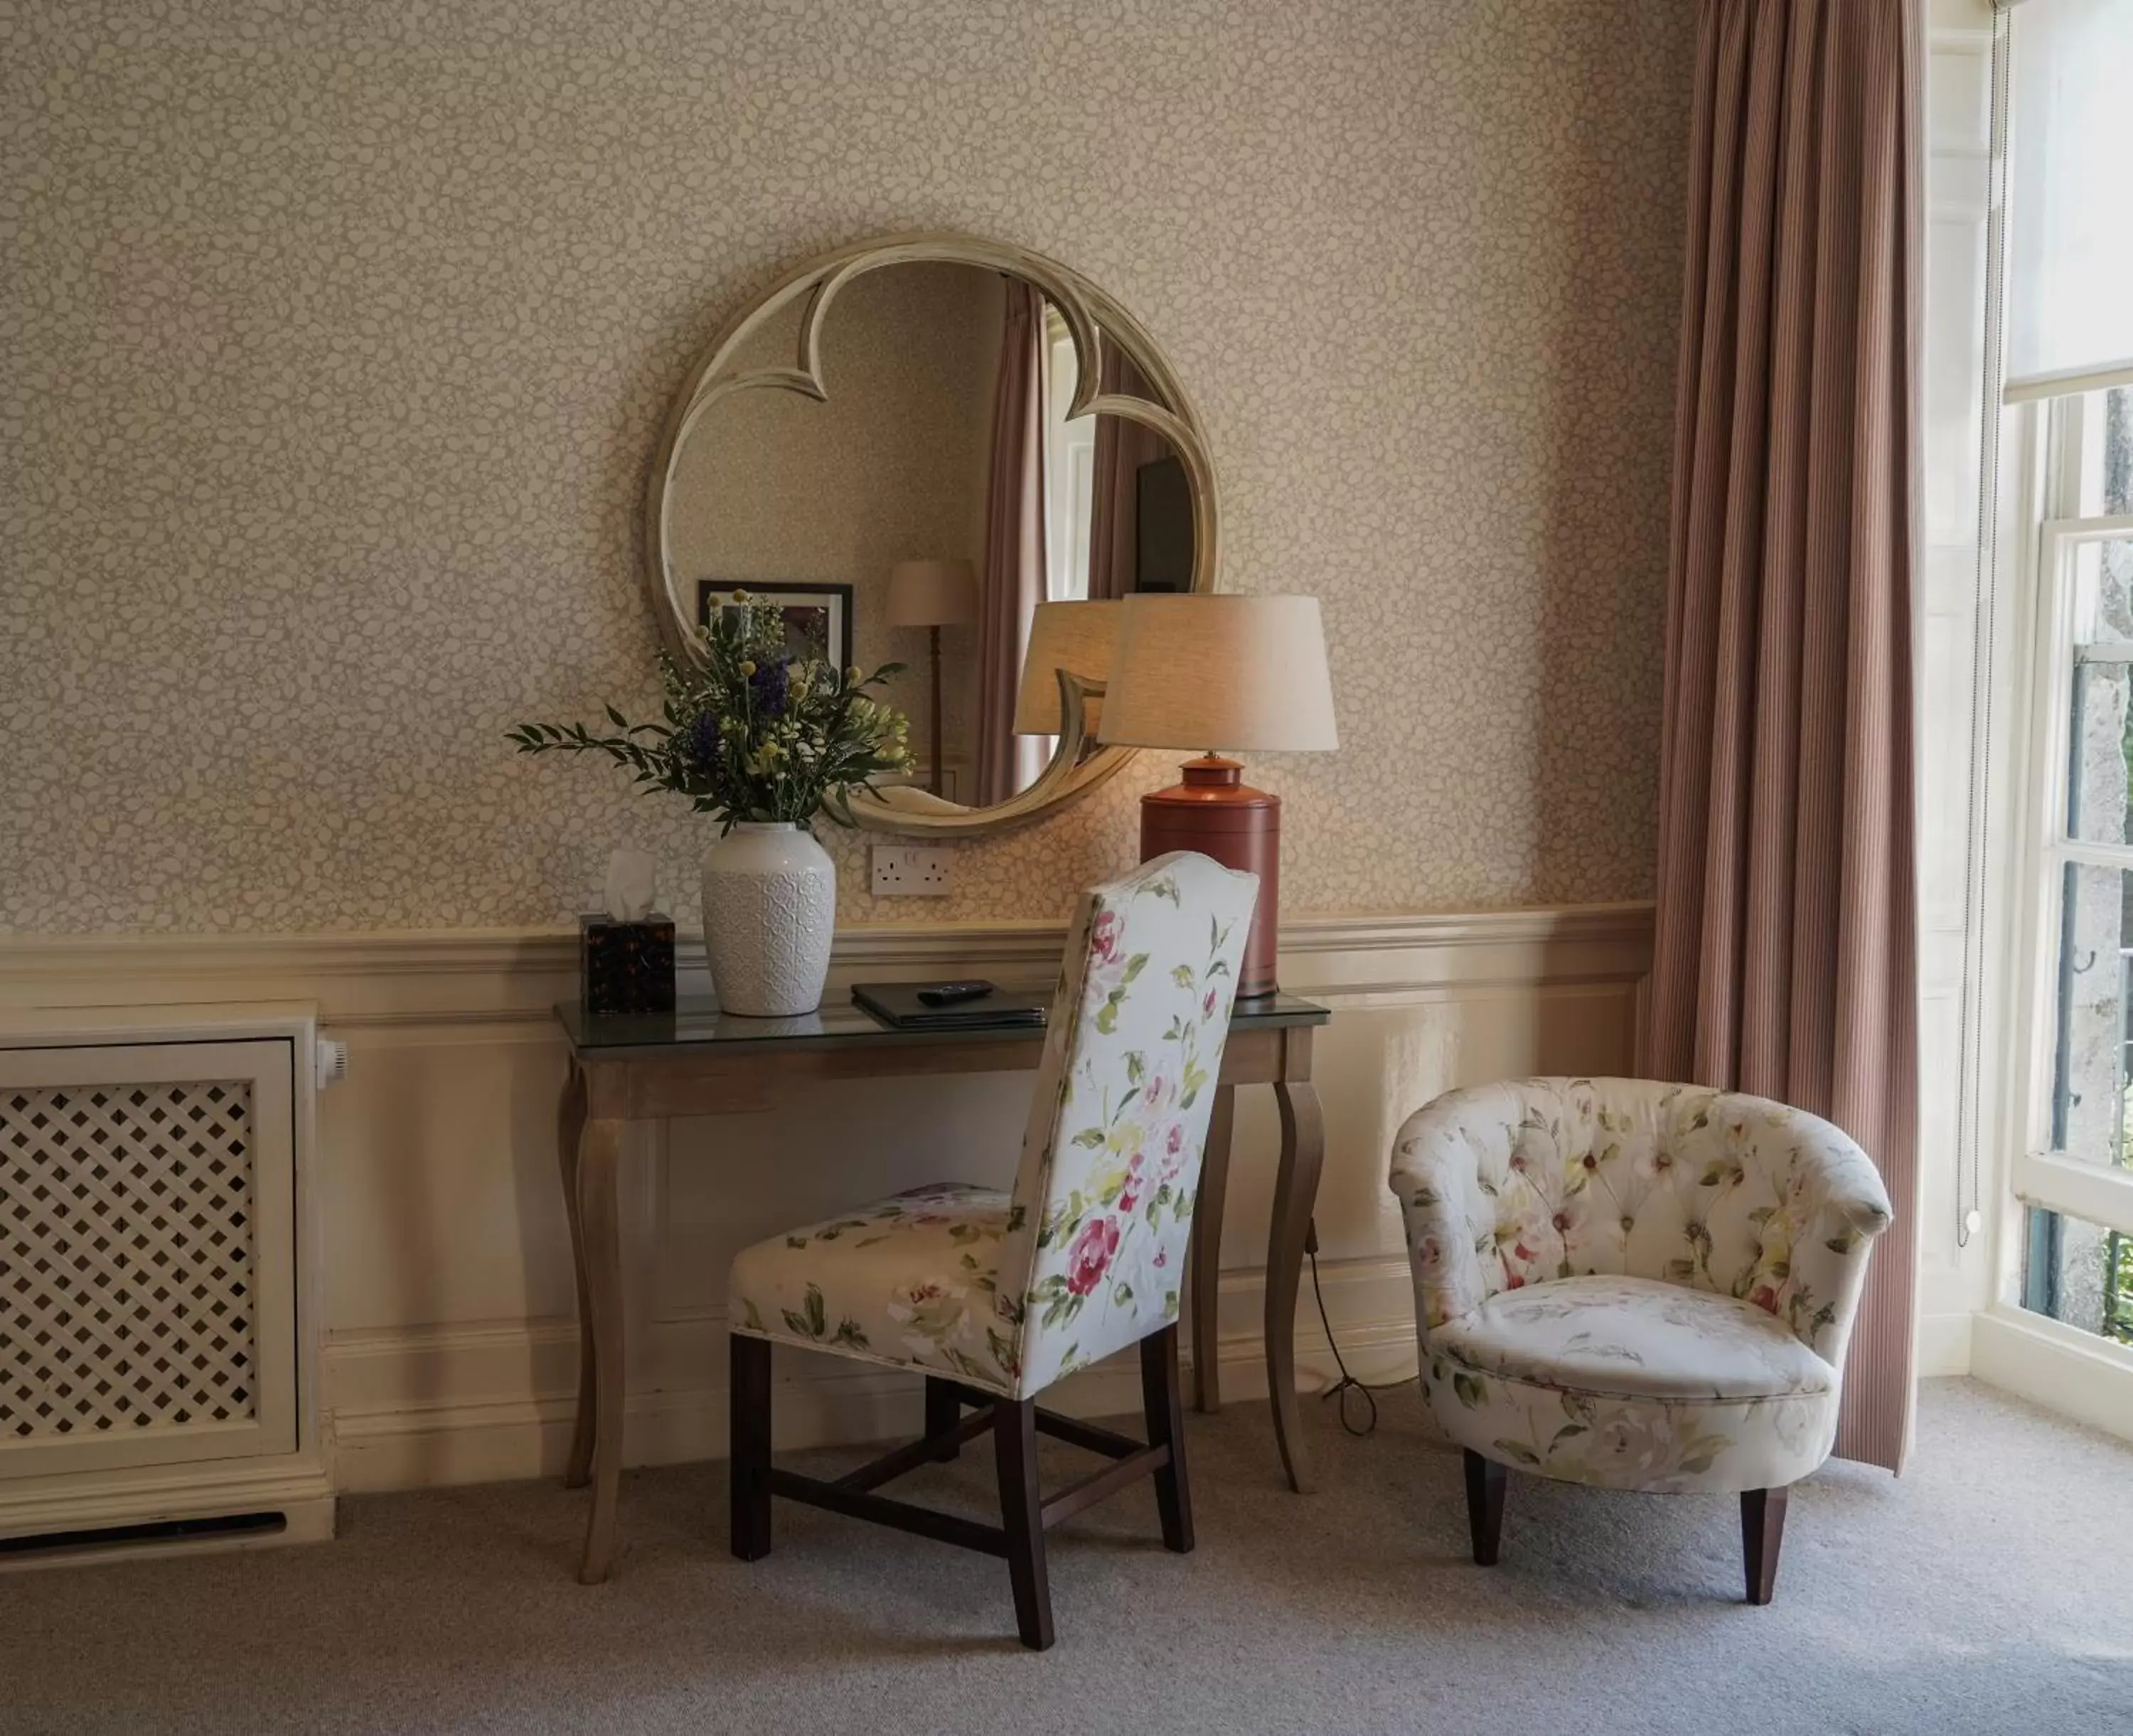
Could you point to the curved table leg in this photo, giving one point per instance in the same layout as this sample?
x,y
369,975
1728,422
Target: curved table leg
x,y
570,1128
1204,1256
599,1154
1296,1193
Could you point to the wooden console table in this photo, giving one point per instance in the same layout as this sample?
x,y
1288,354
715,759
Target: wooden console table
x,y
697,1061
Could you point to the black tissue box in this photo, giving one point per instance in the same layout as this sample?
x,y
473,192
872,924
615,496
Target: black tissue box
x,y
626,967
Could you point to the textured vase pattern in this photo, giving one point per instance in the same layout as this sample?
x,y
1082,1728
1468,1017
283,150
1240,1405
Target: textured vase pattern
x,y
770,908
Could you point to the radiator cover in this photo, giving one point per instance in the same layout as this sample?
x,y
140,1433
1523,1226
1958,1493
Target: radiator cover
x,y
154,1337
126,1234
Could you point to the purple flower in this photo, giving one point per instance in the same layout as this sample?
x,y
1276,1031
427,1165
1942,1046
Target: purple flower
x,y
704,742
770,682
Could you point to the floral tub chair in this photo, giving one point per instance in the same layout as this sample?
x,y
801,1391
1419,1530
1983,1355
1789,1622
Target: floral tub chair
x,y
1635,1285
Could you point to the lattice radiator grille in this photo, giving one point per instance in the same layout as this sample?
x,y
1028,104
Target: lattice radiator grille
x,y
126,1258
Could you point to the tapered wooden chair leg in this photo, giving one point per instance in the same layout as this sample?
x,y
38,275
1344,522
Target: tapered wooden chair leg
x,y
1762,1532
1485,1483
1164,1401
1022,1517
748,1399
944,1410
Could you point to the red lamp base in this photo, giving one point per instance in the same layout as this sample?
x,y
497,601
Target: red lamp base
x,y
1215,812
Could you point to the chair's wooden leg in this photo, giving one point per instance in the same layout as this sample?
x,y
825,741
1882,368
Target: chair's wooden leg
x,y
1164,1401
1485,1483
944,1410
1022,1517
749,1398
1762,1531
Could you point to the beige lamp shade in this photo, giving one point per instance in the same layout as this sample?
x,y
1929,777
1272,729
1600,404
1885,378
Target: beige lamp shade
x,y
1227,674
1074,636
932,593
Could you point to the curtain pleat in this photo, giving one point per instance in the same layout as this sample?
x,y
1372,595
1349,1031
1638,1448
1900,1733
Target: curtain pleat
x,y
1785,961
1012,582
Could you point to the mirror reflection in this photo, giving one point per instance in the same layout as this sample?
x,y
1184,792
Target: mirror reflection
x,y
940,510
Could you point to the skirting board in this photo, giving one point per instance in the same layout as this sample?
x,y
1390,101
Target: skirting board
x,y
2055,1366
408,1442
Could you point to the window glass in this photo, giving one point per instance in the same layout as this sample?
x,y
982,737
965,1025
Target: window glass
x,y
2100,769
2079,1273
2088,1110
2104,476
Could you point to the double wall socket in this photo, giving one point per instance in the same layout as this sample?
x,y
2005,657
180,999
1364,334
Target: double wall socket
x,y
910,871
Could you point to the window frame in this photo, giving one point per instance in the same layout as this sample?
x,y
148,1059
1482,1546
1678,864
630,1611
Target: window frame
x,y
2047,436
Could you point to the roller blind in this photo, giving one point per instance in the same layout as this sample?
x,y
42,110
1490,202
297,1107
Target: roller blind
x,y
2070,198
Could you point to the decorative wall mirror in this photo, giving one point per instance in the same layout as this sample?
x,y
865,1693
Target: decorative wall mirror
x,y
914,444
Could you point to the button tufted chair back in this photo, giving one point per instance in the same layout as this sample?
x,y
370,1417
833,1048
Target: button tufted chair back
x,y
1512,1184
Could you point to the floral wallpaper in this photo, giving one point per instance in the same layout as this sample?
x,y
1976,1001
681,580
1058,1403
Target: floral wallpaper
x,y
338,339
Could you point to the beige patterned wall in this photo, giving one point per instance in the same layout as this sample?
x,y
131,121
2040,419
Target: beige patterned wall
x,y
336,340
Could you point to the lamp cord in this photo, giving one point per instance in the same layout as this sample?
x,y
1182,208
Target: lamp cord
x,y
1347,1384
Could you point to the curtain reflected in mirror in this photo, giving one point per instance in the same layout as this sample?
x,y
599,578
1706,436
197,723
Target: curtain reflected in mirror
x,y
1013,580
942,447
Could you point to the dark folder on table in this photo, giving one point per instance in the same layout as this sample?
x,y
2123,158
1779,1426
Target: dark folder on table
x,y
898,1006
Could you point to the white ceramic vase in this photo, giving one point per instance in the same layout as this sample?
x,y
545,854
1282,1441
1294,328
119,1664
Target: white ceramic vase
x,y
770,907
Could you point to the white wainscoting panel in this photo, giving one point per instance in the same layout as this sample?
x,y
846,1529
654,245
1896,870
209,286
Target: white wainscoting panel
x,y
452,1336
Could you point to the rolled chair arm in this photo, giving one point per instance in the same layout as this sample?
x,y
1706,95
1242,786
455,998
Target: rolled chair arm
x,y
1440,1157
1834,1204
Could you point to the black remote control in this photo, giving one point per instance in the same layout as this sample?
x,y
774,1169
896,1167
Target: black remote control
x,y
953,994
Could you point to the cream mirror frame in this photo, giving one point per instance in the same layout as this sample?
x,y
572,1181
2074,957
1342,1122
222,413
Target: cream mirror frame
x,y
1078,765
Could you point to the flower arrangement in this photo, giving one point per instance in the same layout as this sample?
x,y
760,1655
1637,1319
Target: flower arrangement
x,y
751,732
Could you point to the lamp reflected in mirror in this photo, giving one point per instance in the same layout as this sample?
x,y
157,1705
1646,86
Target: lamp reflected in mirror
x,y
1076,637
933,595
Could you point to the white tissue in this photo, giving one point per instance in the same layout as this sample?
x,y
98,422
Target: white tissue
x,y
632,881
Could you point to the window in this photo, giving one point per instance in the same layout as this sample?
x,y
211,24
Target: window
x,y
2079,1176
2066,446
1070,465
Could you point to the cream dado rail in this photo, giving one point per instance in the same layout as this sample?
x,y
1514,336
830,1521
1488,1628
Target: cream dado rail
x,y
447,1296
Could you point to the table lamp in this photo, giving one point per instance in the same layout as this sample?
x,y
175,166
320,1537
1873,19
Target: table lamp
x,y
1077,637
1243,673
933,595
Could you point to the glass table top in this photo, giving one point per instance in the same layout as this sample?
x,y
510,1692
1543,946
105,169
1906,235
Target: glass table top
x,y
696,1021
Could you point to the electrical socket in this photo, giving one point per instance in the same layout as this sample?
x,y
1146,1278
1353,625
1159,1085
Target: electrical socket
x,y
910,871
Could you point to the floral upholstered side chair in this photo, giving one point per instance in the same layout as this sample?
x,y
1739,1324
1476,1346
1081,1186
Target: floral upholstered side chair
x,y
994,1296
1635,1285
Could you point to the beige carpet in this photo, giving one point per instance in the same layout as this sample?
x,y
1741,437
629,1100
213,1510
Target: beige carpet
x,y
1989,1590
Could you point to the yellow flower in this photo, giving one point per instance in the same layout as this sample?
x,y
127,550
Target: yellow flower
x,y
739,595
853,673
747,666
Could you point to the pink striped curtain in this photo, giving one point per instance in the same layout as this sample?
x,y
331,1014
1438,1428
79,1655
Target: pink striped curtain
x,y
1786,958
1012,585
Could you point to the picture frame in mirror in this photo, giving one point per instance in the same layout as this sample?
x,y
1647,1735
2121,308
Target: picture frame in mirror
x,y
818,617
